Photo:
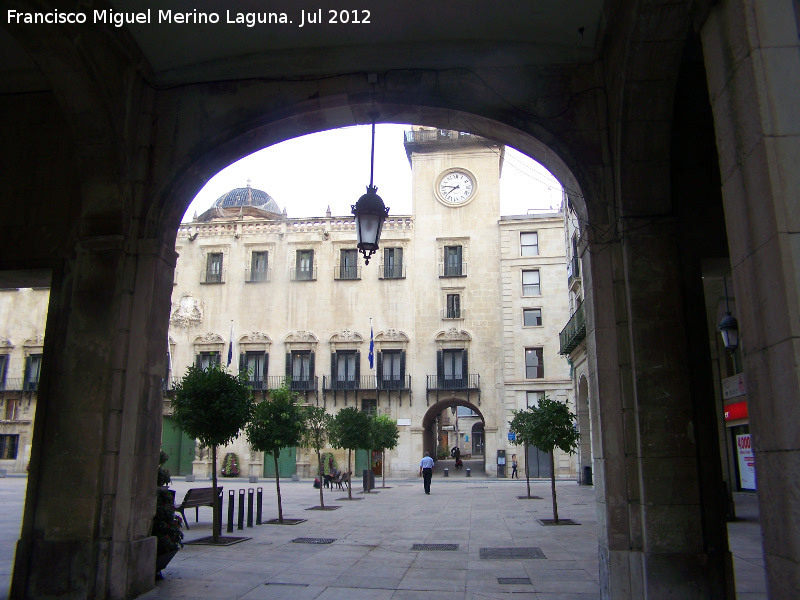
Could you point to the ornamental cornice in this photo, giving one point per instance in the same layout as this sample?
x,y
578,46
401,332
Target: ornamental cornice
x,y
37,340
6,343
209,338
346,335
300,337
453,335
391,335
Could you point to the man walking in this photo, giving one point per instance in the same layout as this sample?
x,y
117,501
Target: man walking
x,y
426,471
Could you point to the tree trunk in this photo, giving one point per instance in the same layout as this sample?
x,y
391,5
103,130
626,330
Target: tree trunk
x,y
350,476
215,524
278,486
527,470
553,487
321,479
383,467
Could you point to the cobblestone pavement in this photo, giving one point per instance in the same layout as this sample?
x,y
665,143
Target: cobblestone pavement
x,y
372,553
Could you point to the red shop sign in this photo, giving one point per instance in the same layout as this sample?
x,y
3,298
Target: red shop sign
x,y
736,411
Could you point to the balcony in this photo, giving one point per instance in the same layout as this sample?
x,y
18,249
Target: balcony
x,y
454,313
391,271
213,276
573,272
458,269
17,384
395,383
342,272
464,383
257,276
303,274
365,382
574,332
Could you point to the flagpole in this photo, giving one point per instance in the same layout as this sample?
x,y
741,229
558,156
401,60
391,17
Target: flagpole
x,y
230,346
372,353
169,360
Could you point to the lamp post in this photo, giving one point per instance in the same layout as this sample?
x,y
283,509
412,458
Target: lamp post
x,y
370,212
729,327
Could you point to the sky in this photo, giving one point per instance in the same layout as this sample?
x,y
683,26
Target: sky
x,y
306,175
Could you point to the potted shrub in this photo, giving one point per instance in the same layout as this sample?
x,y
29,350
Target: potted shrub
x,y
230,466
166,523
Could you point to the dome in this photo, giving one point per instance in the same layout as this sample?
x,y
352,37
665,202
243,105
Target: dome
x,y
247,196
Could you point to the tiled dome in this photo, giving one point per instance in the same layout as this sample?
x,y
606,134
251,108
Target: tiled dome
x,y
247,196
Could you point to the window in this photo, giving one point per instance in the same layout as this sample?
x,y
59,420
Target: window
x,y
529,243
204,360
465,411
255,365
304,270
532,398
530,283
348,264
393,263
259,266
531,317
391,369
33,367
8,447
453,369
300,367
345,369
452,261
369,406
214,267
534,365
12,409
3,367
453,310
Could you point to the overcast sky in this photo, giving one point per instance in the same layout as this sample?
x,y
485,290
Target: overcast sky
x,y
308,174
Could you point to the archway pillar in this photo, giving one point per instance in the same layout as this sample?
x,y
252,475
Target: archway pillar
x,y
91,489
751,53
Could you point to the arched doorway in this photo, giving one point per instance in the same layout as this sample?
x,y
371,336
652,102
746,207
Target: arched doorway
x,y
452,423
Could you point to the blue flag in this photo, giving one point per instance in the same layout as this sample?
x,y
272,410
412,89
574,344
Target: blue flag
x,y
230,347
371,348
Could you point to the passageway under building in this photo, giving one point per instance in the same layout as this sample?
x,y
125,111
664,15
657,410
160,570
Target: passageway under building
x,y
671,126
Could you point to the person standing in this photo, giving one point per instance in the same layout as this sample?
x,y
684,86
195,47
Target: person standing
x,y
514,467
426,471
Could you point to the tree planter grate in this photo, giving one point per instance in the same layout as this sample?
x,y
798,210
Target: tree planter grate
x,y
313,540
514,581
551,523
510,553
435,547
285,521
334,507
223,541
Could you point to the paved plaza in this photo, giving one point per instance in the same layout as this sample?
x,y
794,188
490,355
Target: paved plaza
x,y
372,555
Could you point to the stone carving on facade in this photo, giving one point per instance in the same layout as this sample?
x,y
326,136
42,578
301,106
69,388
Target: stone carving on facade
x,y
346,335
301,336
187,312
37,340
392,335
6,343
453,335
209,338
255,337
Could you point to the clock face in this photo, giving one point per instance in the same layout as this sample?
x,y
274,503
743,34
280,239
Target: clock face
x,y
456,187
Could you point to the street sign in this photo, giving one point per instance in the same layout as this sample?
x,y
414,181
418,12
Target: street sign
x,y
512,436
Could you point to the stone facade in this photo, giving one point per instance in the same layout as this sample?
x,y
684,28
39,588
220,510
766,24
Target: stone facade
x,y
287,287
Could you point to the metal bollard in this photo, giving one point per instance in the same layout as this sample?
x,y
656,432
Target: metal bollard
x,y
250,507
260,495
468,472
447,472
231,503
240,525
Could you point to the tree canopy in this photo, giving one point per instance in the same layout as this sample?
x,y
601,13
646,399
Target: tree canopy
x,y
383,433
315,436
351,429
211,405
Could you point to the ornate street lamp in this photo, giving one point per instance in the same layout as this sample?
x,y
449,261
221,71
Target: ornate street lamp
x,y
370,212
729,326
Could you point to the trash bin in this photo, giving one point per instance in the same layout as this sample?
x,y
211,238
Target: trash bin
x,y
447,472
468,472
369,479
587,475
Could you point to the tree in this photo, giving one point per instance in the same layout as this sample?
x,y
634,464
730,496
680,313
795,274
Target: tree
x,y
351,430
212,405
383,436
318,425
277,423
548,426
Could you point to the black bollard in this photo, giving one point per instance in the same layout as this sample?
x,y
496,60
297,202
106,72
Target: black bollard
x,y
240,525
250,507
258,507
231,503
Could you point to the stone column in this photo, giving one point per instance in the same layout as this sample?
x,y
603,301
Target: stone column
x,y
91,489
752,55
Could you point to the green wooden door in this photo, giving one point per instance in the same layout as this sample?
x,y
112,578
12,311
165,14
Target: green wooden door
x,y
287,463
362,462
179,446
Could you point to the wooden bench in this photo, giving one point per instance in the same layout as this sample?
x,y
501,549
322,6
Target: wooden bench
x,y
195,498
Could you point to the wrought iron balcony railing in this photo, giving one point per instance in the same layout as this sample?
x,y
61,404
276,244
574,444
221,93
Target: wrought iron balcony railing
x,y
453,270
303,274
573,270
447,382
347,272
392,271
213,276
17,384
257,276
574,332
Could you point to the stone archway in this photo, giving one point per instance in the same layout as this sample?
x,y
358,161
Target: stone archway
x,y
438,420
